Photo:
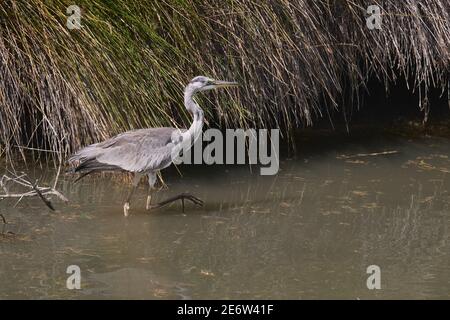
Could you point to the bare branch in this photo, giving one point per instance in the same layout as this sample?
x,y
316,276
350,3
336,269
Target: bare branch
x,y
373,154
34,189
44,199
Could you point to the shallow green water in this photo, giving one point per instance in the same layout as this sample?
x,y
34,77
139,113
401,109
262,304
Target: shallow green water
x,y
309,232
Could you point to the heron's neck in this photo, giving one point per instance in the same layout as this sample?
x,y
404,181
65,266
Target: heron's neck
x,y
196,127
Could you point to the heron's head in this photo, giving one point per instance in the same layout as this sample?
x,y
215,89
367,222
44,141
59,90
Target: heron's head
x,y
201,83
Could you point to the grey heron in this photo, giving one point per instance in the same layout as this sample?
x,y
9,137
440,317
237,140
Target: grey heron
x,y
147,151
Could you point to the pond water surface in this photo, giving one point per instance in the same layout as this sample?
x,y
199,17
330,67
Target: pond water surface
x,y
309,232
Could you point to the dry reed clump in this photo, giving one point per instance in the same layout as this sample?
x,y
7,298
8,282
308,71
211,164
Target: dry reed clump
x,y
297,60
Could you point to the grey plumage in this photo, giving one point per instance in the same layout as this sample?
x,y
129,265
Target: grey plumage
x,y
141,150
146,151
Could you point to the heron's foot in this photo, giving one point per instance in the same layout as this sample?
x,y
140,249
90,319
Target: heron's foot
x,y
126,209
193,199
182,197
148,206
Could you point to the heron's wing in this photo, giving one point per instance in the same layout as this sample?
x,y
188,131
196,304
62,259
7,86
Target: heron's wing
x,y
136,151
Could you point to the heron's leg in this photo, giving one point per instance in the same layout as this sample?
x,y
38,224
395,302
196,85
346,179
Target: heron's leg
x,y
126,206
182,197
151,185
149,198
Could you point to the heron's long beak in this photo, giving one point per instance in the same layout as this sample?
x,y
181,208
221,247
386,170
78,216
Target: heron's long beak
x,y
224,84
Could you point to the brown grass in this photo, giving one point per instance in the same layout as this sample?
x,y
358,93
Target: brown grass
x,y
297,61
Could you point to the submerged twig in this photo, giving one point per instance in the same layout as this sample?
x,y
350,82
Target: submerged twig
x,y
3,233
35,189
373,154
44,199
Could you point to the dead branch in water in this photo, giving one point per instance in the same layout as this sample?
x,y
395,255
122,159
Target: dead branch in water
x,y
34,189
373,154
7,233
